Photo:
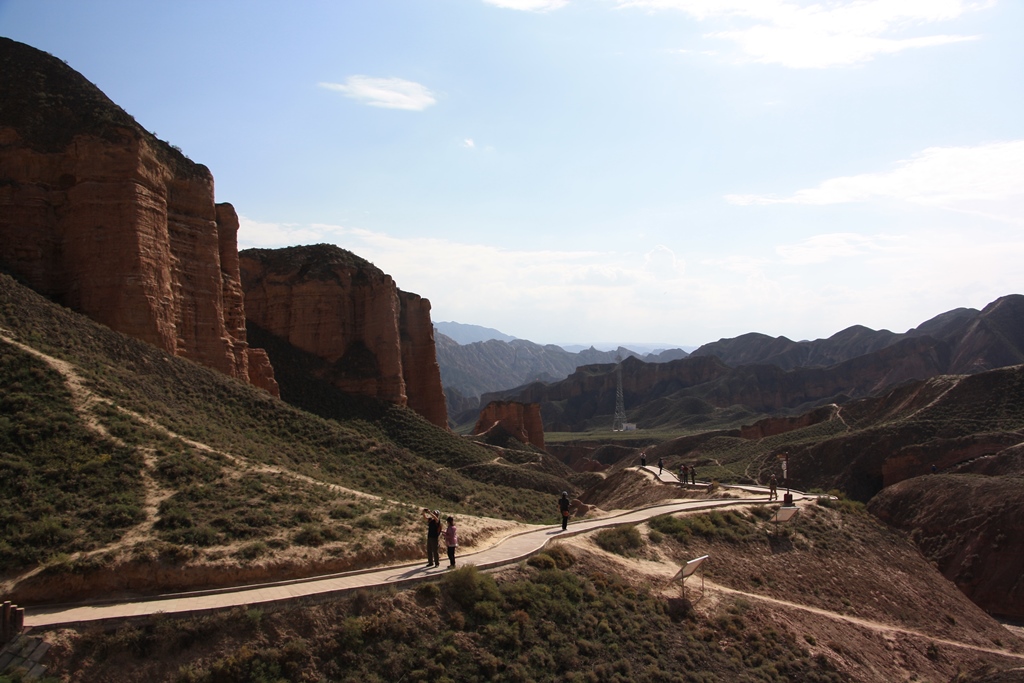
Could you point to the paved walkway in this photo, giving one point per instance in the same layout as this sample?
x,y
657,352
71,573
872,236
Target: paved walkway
x,y
511,550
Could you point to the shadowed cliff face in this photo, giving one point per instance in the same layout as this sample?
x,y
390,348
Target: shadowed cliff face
x,y
101,216
377,340
971,526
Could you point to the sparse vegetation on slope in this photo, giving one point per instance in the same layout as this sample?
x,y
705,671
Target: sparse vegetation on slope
x,y
573,624
574,613
157,459
64,488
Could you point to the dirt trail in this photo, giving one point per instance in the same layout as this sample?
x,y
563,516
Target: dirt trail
x,y
87,404
859,621
661,570
484,531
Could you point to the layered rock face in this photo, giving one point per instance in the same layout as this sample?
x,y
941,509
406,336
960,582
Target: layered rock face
x,y
99,215
377,339
521,420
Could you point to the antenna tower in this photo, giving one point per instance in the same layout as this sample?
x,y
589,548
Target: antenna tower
x,y
619,421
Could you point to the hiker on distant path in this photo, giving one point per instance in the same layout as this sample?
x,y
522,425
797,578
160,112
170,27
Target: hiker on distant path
x,y
693,474
643,458
563,507
773,492
661,465
451,539
684,472
433,518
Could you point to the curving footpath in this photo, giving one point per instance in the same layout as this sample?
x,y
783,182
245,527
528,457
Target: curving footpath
x,y
510,550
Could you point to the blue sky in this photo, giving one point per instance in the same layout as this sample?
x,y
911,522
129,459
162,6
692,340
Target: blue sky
x,y
592,171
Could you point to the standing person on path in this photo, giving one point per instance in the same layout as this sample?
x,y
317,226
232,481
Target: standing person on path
x,y
684,474
773,492
563,507
693,474
433,532
661,465
451,540
643,458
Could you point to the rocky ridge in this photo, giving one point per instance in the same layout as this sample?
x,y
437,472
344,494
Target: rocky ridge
x,y
374,339
101,216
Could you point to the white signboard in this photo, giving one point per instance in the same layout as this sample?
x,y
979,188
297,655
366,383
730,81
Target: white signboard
x,y
784,514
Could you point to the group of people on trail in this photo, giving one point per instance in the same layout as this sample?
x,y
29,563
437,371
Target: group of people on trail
x,y
451,535
687,473
434,533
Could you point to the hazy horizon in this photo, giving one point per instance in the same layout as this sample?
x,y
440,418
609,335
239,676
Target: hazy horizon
x,y
667,169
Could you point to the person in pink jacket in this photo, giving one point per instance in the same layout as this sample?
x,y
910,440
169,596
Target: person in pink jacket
x,y
451,539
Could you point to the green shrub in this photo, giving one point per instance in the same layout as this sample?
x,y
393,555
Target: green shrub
x,y
467,587
562,556
620,540
838,501
315,535
728,525
541,561
251,551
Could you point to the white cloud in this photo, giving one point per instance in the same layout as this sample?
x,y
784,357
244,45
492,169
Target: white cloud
x,y
662,262
264,235
468,143
806,289
986,179
529,5
823,248
821,35
389,93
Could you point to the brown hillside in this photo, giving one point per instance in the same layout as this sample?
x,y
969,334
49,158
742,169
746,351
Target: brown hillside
x,y
971,526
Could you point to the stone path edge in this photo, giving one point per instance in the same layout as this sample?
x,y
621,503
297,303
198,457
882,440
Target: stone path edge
x,y
120,610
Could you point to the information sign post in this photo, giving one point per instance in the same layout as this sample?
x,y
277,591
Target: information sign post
x,y
687,570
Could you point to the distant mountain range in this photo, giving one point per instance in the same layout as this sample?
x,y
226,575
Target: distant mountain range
x,y
462,333
471,369
756,375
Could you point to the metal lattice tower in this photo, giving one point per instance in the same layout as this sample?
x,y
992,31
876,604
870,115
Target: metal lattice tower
x,y
619,421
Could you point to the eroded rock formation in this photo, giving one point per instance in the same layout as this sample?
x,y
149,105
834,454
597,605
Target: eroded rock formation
x,y
101,216
377,340
521,420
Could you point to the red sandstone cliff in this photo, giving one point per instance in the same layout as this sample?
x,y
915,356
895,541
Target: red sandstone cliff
x,y
101,216
521,420
377,339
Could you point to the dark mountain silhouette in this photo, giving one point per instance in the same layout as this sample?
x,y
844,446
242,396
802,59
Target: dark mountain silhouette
x,y
770,381
469,370
983,336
